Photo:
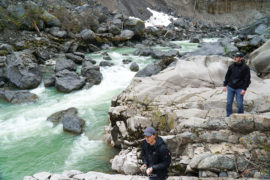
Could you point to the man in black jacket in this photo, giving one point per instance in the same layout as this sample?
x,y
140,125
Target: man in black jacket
x,y
155,156
236,82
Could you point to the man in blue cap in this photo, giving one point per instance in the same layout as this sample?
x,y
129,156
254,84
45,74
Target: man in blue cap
x,y
236,82
155,155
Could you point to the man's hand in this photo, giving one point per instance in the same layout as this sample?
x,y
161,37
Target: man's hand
x,y
243,92
143,168
225,89
149,171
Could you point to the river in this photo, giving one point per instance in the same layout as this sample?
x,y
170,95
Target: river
x,y
30,144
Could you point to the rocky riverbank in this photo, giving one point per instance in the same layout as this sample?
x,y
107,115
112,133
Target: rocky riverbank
x,y
77,175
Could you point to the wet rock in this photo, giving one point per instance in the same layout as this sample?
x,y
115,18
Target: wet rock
x,y
142,50
107,57
57,117
134,67
163,54
18,96
67,81
72,123
126,61
105,63
91,73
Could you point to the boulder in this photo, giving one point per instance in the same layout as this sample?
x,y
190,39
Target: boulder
x,y
126,162
49,81
21,96
55,31
67,81
91,72
260,58
75,58
63,63
149,70
22,70
127,34
105,63
50,20
71,123
57,117
135,25
164,54
88,35
134,67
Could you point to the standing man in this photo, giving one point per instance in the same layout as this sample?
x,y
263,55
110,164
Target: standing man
x,y
236,82
155,156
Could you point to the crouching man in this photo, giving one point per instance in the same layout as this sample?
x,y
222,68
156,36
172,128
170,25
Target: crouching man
x,y
155,156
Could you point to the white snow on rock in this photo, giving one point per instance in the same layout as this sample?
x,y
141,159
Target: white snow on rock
x,y
158,19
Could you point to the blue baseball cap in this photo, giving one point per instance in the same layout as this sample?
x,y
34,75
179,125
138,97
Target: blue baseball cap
x,y
149,131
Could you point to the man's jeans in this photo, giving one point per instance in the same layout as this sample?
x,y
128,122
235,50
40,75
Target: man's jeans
x,y
239,99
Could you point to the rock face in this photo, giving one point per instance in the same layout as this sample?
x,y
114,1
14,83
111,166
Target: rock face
x,y
186,104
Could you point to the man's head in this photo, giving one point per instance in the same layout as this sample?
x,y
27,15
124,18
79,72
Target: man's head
x,y
150,135
238,57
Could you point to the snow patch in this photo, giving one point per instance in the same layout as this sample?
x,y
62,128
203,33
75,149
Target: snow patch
x,y
158,19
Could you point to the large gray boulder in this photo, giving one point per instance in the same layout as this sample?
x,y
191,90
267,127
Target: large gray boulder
x,y
67,81
260,58
91,73
22,70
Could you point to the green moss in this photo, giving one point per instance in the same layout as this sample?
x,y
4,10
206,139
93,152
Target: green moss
x,y
3,53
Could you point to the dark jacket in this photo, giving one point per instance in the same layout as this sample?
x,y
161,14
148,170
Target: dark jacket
x,y
157,156
238,76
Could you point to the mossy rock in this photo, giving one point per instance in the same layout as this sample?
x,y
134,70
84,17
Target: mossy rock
x,y
3,52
